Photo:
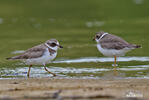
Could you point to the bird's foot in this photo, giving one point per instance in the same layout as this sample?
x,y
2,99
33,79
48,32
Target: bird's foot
x,y
54,74
114,64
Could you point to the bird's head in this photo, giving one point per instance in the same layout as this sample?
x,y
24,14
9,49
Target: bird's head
x,y
53,44
98,36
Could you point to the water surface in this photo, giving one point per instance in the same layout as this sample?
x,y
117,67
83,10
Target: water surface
x,y
86,71
24,24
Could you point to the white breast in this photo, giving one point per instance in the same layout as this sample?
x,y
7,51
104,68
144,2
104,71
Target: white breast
x,y
45,59
112,52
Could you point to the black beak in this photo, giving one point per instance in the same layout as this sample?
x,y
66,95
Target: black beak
x,y
60,46
93,39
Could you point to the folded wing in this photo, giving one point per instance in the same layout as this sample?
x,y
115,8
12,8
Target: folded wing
x,y
115,42
34,52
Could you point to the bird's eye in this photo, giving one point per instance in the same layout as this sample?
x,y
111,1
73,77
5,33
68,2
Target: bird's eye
x,y
53,44
97,36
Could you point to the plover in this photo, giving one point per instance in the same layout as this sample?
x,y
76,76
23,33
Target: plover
x,y
111,45
39,55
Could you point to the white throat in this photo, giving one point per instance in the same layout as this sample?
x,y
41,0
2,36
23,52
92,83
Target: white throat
x,y
102,36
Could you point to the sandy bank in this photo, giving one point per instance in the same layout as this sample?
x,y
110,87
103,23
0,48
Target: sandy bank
x,y
59,89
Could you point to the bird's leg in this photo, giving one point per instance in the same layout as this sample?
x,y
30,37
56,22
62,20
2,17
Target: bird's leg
x,y
115,60
49,71
115,70
28,73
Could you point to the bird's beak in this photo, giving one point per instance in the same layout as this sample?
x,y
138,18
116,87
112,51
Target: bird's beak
x,y
94,39
60,46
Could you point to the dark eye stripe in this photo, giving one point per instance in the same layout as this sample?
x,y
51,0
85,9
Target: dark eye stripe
x,y
53,44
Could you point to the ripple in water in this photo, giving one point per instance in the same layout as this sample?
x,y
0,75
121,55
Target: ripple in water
x,y
72,72
103,59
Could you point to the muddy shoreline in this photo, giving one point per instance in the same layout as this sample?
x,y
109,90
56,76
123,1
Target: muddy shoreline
x,y
59,89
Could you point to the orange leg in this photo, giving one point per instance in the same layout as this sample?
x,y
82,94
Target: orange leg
x,y
49,71
115,70
28,73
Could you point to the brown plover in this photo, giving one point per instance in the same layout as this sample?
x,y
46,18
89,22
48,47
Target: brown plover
x,y
39,55
111,45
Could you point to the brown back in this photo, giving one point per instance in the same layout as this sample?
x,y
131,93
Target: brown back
x,y
110,41
34,52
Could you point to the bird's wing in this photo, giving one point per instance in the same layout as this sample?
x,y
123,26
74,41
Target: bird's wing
x,y
114,42
113,45
33,52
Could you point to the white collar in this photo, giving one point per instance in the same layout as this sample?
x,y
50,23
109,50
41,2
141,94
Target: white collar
x,y
102,36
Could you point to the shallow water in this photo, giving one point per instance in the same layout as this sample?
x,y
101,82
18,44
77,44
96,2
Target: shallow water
x,y
71,72
103,59
83,72
24,25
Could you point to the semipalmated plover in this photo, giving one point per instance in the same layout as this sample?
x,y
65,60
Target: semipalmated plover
x,y
39,55
111,45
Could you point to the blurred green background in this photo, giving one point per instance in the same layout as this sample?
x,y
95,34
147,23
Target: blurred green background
x,y
25,23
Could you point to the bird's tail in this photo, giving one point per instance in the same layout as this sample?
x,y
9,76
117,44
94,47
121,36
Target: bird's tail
x,y
13,58
136,46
